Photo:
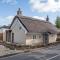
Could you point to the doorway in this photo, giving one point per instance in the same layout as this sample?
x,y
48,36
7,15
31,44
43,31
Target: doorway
x,y
45,38
8,35
12,37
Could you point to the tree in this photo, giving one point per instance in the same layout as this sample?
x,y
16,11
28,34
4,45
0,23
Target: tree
x,y
57,22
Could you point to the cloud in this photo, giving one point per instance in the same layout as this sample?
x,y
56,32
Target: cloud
x,y
43,18
45,5
6,20
38,17
11,2
9,17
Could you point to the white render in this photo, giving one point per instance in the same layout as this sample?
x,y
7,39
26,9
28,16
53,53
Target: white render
x,y
39,41
19,34
52,38
4,35
31,41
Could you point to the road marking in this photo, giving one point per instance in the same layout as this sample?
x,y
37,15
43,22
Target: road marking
x,y
53,57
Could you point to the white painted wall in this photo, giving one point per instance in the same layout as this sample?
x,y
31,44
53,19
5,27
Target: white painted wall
x,y
4,36
19,34
39,41
31,41
52,38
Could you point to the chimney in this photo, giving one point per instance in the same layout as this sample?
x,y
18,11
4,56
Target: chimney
x,y
47,19
19,12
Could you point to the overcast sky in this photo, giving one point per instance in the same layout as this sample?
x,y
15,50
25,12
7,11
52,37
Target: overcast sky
x,y
33,8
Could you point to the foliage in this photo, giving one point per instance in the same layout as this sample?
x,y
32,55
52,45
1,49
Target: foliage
x,y
57,22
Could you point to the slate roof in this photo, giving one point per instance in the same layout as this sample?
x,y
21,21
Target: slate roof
x,y
4,26
36,25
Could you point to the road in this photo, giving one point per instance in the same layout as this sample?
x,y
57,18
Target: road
x,y
31,57
47,53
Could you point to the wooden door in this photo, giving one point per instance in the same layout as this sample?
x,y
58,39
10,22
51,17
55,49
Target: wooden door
x,y
46,38
12,37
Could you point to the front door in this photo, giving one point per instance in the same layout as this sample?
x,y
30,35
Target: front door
x,y
46,38
8,35
12,37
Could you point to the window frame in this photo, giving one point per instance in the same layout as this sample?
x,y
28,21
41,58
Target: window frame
x,y
34,36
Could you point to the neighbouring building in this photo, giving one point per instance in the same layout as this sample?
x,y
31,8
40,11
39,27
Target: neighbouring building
x,y
2,30
30,31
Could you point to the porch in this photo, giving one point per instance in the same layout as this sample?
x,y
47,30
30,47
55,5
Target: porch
x,y
9,36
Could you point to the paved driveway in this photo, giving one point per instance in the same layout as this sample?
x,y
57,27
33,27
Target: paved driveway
x,y
47,53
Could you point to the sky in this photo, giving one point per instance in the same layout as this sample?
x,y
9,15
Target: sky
x,y
34,8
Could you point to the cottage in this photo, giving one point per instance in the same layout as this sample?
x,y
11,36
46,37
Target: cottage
x,y
30,31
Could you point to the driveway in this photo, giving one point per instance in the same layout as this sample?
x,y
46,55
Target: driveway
x,y
46,53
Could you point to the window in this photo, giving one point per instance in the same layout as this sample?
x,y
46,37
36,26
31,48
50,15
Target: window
x,y
34,36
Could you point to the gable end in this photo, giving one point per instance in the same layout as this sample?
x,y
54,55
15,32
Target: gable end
x,y
19,21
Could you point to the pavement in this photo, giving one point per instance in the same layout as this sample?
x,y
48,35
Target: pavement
x,y
44,53
4,52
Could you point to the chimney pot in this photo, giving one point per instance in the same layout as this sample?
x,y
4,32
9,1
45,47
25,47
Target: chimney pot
x,y
19,12
47,19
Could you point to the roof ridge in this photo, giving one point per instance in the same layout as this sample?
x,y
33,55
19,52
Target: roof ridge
x,y
34,19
